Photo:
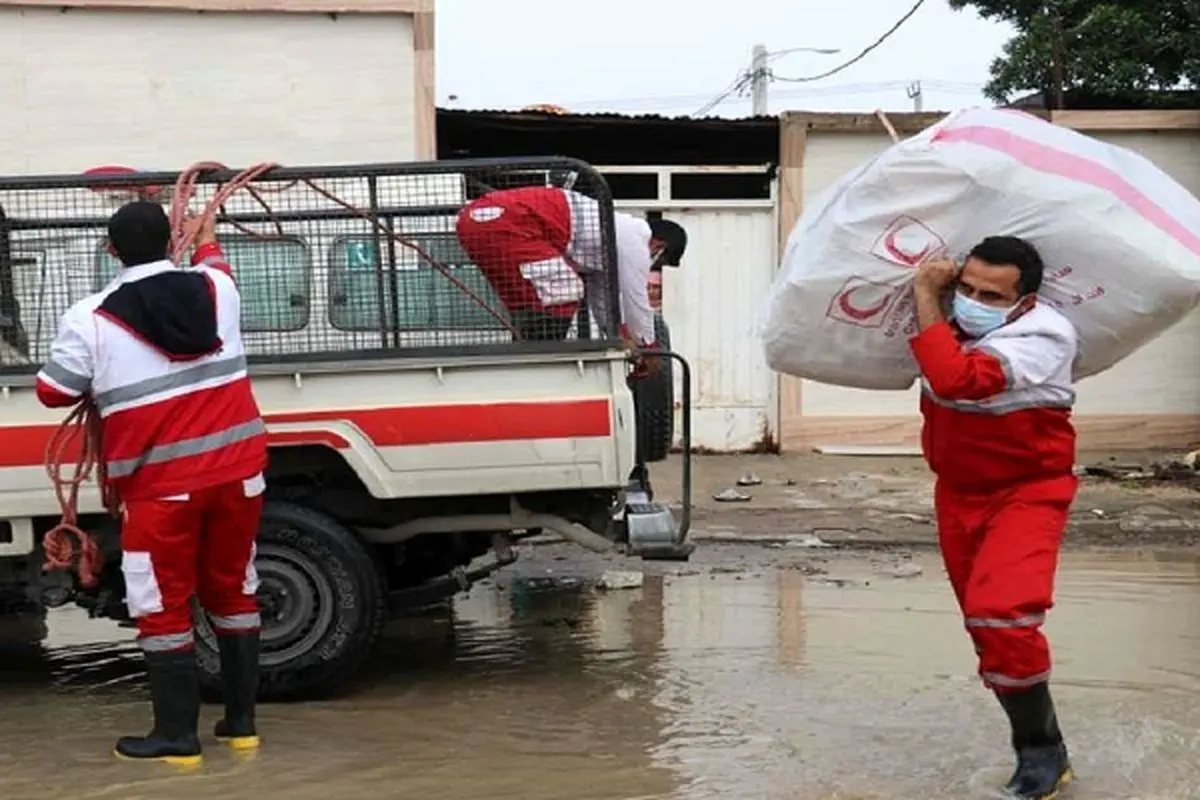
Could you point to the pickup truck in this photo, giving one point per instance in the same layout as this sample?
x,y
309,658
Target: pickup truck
x,y
413,440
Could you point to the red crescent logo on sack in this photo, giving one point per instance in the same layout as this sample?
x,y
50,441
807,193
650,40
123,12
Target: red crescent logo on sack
x,y
852,311
912,259
907,241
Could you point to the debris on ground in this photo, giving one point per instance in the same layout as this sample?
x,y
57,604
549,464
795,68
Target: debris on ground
x,y
731,496
807,540
616,580
749,479
905,570
1172,470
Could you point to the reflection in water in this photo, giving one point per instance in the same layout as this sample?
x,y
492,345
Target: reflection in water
x,y
716,685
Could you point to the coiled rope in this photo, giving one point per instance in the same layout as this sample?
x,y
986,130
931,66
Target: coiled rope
x,y
67,546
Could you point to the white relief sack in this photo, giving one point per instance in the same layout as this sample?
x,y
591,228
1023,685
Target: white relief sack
x,y
1120,238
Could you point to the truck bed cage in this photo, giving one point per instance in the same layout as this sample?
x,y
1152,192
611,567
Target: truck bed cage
x,y
333,263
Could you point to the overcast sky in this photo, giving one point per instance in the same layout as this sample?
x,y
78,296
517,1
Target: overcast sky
x,y
669,57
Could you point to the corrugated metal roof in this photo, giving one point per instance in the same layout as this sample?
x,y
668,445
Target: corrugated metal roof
x,y
607,138
1079,100
599,116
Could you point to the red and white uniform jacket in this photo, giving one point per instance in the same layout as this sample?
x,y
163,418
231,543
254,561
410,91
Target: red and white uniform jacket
x,y
997,409
160,352
540,246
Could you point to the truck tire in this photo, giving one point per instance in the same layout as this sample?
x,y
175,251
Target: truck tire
x,y
22,629
322,603
654,401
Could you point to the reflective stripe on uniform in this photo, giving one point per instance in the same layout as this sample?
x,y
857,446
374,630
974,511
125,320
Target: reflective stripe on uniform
x,y
187,447
236,622
163,642
996,679
73,382
1029,621
227,367
1002,404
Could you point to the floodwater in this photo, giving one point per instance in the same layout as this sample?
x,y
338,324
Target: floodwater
x,y
832,677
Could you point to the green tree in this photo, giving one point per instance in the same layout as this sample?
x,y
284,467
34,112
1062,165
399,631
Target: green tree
x,y
1109,48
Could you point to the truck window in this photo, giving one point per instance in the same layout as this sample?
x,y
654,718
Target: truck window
x,y
361,296
273,275
31,312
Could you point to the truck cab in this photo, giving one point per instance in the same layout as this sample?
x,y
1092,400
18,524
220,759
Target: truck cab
x,y
414,440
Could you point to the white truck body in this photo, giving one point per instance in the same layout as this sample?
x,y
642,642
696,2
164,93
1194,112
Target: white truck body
x,y
408,429
410,435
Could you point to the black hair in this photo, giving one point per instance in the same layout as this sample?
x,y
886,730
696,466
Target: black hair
x,y
673,236
140,233
1013,251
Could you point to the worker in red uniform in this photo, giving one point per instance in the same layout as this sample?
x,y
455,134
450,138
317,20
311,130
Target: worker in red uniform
x,y
996,375
159,352
541,247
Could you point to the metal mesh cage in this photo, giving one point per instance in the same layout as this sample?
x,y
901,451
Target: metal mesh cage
x,y
347,261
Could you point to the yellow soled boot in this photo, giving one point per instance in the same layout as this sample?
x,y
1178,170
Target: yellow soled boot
x,y
175,698
239,678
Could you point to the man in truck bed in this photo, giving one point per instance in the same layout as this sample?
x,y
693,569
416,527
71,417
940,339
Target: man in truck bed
x,y
539,246
159,352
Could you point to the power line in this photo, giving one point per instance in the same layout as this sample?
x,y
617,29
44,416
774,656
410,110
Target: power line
x,y
679,101
866,50
739,83
750,77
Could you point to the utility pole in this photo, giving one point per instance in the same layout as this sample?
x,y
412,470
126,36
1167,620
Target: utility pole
x,y
917,95
758,81
760,74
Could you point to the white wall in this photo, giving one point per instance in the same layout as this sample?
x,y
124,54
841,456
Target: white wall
x,y
162,89
712,305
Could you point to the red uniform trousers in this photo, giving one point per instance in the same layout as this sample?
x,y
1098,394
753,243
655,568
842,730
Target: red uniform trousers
x,y
200,544
522,250
1001,554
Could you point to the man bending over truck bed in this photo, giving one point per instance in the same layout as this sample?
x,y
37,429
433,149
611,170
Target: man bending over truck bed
x,y
539,246
159,351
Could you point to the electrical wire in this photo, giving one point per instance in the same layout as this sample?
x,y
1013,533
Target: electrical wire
x,y
863,54
618,105
739,83
681,104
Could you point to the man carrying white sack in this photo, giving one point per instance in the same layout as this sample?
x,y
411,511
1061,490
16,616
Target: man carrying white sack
x,y
997,396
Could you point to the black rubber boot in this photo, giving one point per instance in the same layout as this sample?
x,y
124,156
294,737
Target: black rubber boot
x,y
1043,766
175,697
239,677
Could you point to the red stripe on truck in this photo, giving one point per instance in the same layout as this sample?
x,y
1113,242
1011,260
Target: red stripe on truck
x,y
25,445
474,422
294,438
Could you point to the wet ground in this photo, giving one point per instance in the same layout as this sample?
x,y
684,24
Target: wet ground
x,y
884,500
751,673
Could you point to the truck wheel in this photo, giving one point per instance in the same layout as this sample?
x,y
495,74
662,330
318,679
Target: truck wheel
x,y
22,629
322,606
654,399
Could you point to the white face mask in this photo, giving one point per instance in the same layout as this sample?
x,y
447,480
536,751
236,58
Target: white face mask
x,y
977,319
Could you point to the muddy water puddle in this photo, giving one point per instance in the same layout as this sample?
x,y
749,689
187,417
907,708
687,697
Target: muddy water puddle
x,y
851,681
